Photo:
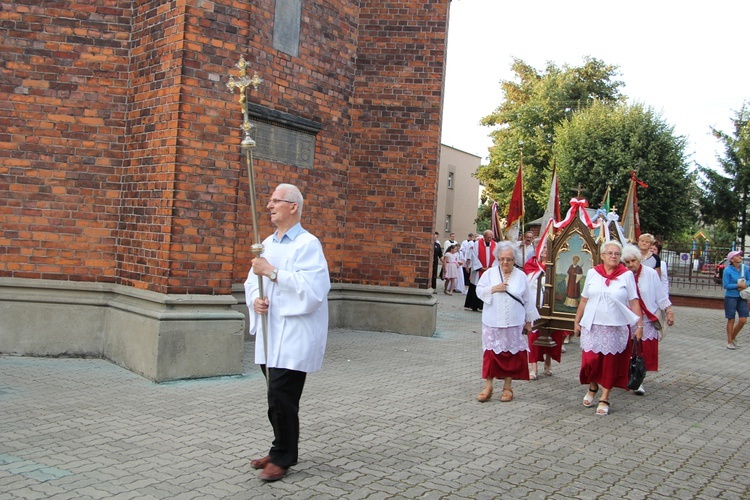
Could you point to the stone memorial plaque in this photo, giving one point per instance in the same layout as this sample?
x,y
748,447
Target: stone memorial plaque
x,y
286,24
283,145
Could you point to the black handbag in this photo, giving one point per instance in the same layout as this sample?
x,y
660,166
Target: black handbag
x,y
637,368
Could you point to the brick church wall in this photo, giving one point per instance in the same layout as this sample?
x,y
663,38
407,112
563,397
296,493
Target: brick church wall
x,y
64,99
119,144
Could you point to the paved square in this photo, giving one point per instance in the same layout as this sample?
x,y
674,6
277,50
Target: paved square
x,y
390,416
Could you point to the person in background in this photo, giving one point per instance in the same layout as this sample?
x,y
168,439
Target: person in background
x,y
450,241
656,250
465,257
652,298
609,307
525,249
648,258
508,313
437,257
452,268
735,279
296,284
482,259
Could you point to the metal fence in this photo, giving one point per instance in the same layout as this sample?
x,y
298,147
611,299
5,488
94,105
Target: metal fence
x,y
694,267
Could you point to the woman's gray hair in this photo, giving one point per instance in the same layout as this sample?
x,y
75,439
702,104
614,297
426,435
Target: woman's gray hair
x,y
501,247
630,251
610,243
292,193
650,237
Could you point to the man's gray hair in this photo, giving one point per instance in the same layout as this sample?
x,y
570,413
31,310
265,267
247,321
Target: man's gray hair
x,y
292,193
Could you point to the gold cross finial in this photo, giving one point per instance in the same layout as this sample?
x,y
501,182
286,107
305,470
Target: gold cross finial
x,y
242,83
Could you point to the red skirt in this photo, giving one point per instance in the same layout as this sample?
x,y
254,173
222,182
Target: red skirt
x,y
607,370
651,354
505,364
536,353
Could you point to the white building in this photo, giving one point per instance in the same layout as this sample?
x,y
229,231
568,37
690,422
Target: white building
x,y
459,192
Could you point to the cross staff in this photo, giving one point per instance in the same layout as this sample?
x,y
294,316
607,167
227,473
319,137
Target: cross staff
x,y
247,145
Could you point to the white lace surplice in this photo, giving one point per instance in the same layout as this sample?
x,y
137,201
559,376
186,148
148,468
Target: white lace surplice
x,y
649,332
604,339
504,339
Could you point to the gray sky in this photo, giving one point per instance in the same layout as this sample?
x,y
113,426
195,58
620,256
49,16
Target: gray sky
x,y
685,60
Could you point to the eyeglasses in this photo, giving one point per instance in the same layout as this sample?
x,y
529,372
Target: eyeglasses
x,y
612,254
506,259
275,201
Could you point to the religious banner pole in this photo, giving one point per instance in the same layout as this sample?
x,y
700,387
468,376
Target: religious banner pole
x,y
246,146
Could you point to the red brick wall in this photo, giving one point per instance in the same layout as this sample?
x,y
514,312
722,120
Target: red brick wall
x,y
120,161
396,141
63,96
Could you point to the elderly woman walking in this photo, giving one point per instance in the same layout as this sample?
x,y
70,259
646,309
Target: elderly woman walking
x,y
509,310
609,307
652,299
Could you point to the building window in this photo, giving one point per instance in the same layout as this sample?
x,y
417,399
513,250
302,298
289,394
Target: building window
x,y
447,223
450,180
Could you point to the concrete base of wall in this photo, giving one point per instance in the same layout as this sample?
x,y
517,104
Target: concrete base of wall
x,y
173,337
161,337
374,308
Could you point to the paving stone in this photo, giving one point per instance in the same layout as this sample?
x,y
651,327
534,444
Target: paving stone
x,y
390,416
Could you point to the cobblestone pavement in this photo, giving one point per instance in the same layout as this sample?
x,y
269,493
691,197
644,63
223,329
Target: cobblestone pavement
x,y
390,416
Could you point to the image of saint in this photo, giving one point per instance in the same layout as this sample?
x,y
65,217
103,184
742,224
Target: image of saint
x,y
572,282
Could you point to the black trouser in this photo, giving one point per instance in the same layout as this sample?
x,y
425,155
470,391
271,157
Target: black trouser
x,y
284,394
472,301
434,273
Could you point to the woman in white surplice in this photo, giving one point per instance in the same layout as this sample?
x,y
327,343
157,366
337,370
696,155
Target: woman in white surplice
x,y
508,312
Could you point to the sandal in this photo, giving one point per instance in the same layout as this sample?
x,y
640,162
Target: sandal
x,y
603,408
548,371
589,400
485,395
532,375
507,395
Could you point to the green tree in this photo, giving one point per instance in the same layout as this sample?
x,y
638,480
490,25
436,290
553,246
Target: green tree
x,y
725,198
532,107
603,143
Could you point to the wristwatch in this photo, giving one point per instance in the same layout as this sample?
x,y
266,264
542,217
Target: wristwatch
x,y
273,275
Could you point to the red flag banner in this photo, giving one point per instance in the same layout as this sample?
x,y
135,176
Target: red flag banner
x,y
633,178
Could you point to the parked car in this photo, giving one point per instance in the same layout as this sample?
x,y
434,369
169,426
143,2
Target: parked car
x,y
719,272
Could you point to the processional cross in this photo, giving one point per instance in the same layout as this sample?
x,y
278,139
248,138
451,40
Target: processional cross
x,y
246,146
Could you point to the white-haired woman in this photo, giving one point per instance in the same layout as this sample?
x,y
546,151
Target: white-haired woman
x,y
652,299
608,309
509,310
